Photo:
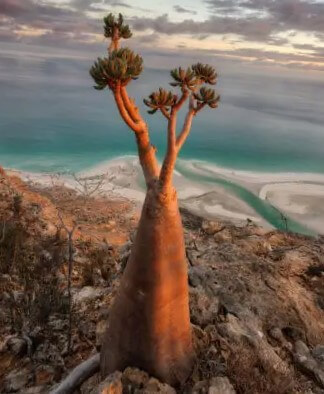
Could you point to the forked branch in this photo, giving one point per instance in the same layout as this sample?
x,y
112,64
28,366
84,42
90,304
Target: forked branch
x,y
121,67
171,154
130,106
123,110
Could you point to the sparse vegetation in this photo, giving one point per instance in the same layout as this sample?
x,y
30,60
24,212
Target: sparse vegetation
x,y
255,296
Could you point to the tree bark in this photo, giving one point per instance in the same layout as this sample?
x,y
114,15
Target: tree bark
x,y
149,323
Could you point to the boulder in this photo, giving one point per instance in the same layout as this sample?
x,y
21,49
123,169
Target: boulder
x,y
318,353
220,385
135,378
155,386
16,380
87,294
223,236
211,227
203,308
307,363
216,385
111,385
17,346
132,380
44,374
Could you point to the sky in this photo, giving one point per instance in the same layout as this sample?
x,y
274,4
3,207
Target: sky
x,y
282,35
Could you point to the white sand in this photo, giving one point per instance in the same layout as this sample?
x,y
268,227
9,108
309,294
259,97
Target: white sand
x,y
300,196
302,201
286,196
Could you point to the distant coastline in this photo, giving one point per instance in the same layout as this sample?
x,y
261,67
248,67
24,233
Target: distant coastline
x,y
223,193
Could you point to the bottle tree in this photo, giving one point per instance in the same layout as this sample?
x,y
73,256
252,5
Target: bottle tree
x,y
149,322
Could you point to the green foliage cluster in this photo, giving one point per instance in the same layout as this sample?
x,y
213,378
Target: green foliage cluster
x,y
183,78
187,80
160,99
207,97
111,24
192,77
122,65
205,73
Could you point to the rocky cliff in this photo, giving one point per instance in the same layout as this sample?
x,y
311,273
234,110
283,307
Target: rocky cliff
x,y
256,297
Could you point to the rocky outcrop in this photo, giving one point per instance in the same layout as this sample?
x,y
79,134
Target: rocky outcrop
x,y
309,362
132,380
256,303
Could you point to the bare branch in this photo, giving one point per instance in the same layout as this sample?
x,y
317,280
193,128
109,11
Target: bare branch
x,y
147,157
56,179
114,45
145,150
186,128
136,127
90,185
179,104
130,106
70,232
171,154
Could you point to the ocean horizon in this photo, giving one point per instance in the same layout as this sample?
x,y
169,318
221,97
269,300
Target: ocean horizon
x,y
54,121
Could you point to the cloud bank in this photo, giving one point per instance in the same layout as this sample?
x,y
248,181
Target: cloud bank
x,y
284,32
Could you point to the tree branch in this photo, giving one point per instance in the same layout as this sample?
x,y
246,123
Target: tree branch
x,y
186,128
146,151
147,157
199,107
114,45
171,154
123,111
130,106
182,100
165,113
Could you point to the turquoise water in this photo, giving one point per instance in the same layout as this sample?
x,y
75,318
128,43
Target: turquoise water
x,y
262,207
53,120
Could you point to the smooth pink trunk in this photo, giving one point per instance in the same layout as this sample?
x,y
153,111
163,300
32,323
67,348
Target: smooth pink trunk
x,y
149,323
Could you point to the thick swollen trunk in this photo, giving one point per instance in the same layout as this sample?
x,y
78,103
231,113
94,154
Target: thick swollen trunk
x,y
149,323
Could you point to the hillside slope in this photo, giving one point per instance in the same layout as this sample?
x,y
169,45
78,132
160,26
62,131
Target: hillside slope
x,y
256,297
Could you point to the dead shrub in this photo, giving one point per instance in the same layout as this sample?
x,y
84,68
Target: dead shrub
x,y
101,258
31,264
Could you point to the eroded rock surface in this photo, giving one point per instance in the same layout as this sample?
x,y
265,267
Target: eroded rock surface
x,y
256,299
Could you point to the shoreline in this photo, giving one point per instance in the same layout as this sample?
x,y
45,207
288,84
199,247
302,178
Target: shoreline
x,y
215,192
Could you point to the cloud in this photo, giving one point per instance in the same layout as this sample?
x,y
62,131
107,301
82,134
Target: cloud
x,y
121,4
268,18
258,31
40,16
237,22
284,15
182,10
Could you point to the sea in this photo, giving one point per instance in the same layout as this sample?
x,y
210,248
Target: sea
x,y
52,120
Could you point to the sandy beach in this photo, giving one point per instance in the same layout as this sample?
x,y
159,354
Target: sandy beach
x,y
299,196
